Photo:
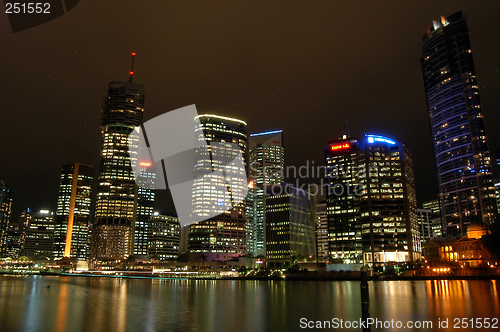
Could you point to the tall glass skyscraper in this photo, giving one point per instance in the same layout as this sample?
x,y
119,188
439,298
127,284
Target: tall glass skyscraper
x,y
266,167
6,196
371,202
221,237
322,231
461,152
164,237
145,206
290,225
38,234
116,206
72,221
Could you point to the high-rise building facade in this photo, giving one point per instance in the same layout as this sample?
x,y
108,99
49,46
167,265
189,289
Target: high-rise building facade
x,y
220,237
290,225
116,205
432,205
6,196
249,222
266,167
430,226
462,157
145,206
72,220
14,240
164,237
38,234
322,232
436,224
371,202
496,181
343,209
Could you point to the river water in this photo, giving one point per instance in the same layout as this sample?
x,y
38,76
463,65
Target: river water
x,y
64,303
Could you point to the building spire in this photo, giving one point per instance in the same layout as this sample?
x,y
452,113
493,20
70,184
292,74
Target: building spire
x,y
132,68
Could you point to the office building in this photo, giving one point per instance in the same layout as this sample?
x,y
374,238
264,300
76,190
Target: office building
x,y
322,232
462,157
222,235
145,206
497,151
343,210
116,205
14,240
429,225
290,225
38,234
435,221
72,220
371,202
497,193
6,196
432,205
497,180
164,237
266,167
250,221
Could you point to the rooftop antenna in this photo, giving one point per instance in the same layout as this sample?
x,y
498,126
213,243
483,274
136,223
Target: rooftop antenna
x,y
347,127
342,128
132,68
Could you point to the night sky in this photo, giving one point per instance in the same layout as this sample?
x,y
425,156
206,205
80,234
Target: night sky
x,y
303,67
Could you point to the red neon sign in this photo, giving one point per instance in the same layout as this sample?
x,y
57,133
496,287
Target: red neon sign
x,y
340,146
144,164
251,184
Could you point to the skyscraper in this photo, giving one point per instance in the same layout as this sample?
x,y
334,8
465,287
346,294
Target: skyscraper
x,y
322,231
38,234
290,225
122,112
72,221
497,180
6,196
456,119
371,202
145,206
266,167
164,237
343,210
436,222
221,237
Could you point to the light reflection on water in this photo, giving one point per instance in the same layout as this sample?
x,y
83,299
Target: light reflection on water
x,y
112,304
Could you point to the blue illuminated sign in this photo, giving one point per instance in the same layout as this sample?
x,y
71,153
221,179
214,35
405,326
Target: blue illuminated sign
x,y
267,133
376,138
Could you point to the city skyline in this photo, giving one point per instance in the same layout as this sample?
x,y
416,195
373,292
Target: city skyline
x,y
250,165
368,97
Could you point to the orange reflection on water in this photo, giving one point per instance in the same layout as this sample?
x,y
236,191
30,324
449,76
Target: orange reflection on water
x,y
455,298
62,308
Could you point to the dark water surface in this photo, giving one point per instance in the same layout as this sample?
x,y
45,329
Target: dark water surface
x,y
113,304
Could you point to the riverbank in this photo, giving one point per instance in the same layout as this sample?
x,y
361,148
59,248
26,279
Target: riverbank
x,y
284,277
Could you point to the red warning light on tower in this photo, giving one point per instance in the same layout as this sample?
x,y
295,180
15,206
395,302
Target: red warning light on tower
x,y
133,53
